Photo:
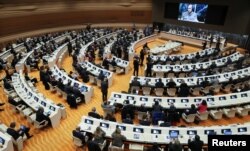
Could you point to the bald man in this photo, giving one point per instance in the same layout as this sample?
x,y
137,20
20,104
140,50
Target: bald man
x,y
189,15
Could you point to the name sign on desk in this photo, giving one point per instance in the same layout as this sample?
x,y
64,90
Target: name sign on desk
x,y
229,142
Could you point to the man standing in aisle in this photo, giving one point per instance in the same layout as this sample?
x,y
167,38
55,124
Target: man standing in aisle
x,y
142,54
104,89
136,65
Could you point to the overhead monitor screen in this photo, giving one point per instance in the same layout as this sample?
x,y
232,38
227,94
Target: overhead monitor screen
x,y
192,12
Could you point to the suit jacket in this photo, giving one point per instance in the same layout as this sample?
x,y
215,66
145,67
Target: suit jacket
x,y
78,135
93,146
159,84
195,145
118,140
104,86
94,115
40,117
13,133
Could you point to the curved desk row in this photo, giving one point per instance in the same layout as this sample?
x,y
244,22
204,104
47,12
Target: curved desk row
x,y
194,81
95,70
205,52
34,100
166,48
188,39
5,55
203,65
120,62
88,91
216,101
160,135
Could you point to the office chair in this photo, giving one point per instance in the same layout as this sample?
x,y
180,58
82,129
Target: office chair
x,y
216,114
188,118
202,116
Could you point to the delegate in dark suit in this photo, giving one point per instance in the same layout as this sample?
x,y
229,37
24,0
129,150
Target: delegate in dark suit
x,y
104,89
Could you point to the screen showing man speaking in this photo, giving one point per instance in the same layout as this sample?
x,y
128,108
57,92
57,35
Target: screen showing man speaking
x,y
192,12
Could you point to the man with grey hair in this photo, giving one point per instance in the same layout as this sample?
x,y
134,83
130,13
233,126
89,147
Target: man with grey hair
x,y
189,15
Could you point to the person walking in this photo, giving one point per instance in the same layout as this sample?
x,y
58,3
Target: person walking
x,y
104,89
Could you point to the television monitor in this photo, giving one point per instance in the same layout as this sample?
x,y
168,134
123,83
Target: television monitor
x,y
179,80
197,100
130,97
226,131
138,130
144,99
121,127
244,95
117,96
173,133
52,108
89,121
43,103
36,99
76,85
155,131
222,98
2,141
159,67
83,89
233,96
191,132
242,129
157,100
170,100
209,132
210,99
184,100
192,12
104,125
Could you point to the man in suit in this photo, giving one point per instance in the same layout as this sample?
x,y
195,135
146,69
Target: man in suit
x,y
40,116
196,144
149,69
76,91
68,89
171,84
94,114
106,105
159,84
71,99
101,76
136,66
104,89
78,134
105,63
135,82
142,54
17,133
127,109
